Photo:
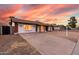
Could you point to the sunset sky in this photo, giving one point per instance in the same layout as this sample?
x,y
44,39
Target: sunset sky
x,y
49,13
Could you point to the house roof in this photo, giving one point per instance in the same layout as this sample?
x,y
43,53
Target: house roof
x,y
4,24
29,22
58,25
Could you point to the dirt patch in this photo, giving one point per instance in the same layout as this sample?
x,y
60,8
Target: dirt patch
x,y
16,45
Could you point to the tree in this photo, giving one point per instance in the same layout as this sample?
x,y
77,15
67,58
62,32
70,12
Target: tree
x,y
72,22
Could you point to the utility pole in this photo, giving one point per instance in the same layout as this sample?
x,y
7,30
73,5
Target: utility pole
x,y
66,31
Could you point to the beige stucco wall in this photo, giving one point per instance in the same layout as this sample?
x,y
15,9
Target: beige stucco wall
x,y
42,29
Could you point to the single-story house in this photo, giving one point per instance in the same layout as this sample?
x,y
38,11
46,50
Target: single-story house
x,y
26,26
16,25
59,27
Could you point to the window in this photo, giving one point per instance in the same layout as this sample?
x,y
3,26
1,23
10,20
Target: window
x,y
27,27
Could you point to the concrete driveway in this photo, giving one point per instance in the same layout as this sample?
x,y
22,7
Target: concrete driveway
x,y
76,49
48,44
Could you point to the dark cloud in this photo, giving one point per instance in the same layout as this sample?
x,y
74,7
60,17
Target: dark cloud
x,y
66,9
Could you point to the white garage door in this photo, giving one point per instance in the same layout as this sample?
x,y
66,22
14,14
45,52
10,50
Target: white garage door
x,y
26,28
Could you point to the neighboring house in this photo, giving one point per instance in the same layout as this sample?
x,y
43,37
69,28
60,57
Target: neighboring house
x,y
25,26
59,27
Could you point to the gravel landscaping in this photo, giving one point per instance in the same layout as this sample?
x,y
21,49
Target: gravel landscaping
x,y
16,45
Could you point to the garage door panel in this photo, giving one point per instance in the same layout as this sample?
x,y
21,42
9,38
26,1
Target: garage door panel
x,y
26,29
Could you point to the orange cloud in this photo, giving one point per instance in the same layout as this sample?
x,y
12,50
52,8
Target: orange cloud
x,y
41,12
51,13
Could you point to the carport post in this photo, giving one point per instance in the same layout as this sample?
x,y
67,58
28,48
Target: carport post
x,y
1,30
10,29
